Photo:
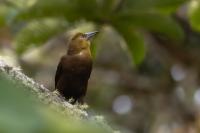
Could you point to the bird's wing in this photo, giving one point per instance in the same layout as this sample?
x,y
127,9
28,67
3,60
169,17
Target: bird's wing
x,y
58,72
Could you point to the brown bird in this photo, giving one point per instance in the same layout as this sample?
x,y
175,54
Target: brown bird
x,y
74,68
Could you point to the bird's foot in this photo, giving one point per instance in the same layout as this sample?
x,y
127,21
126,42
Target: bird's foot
x,y
56,93
83,106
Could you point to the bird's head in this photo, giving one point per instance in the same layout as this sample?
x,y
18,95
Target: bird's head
x,y
80,42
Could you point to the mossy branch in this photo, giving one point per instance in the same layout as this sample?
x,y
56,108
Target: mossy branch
x,y
43,93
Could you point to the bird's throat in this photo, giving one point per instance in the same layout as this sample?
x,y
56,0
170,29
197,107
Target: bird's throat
x,y
83,52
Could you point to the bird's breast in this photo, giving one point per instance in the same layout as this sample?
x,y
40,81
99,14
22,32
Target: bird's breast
x,y
78,64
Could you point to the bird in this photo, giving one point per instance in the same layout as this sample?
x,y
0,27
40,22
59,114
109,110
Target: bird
x,y
74,68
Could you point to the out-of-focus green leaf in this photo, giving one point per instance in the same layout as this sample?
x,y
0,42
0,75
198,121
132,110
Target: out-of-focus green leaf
x,y
87,9
21,4
21,112
37,32
162,24
134,41
2,17
166,6
72,10
16,109
94,45
194,14
10,8
4,10
93,48
107,6
44,8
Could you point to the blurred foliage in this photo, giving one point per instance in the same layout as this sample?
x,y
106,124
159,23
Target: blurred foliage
x,y
4,11
37,32
21,112
194,10
148,15
135,42
161,37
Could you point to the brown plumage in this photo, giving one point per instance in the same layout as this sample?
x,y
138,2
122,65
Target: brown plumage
x,y
74,68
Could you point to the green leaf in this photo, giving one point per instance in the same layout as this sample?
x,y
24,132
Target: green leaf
x,y
4,12
17,113
136,45
22,112
194,14
71,10
163,24
19,3
166,6
44,8
38,32
94,44
93,48
134,41
2,17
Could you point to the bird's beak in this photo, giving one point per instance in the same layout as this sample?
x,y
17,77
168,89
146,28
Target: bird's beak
x,y
89,35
